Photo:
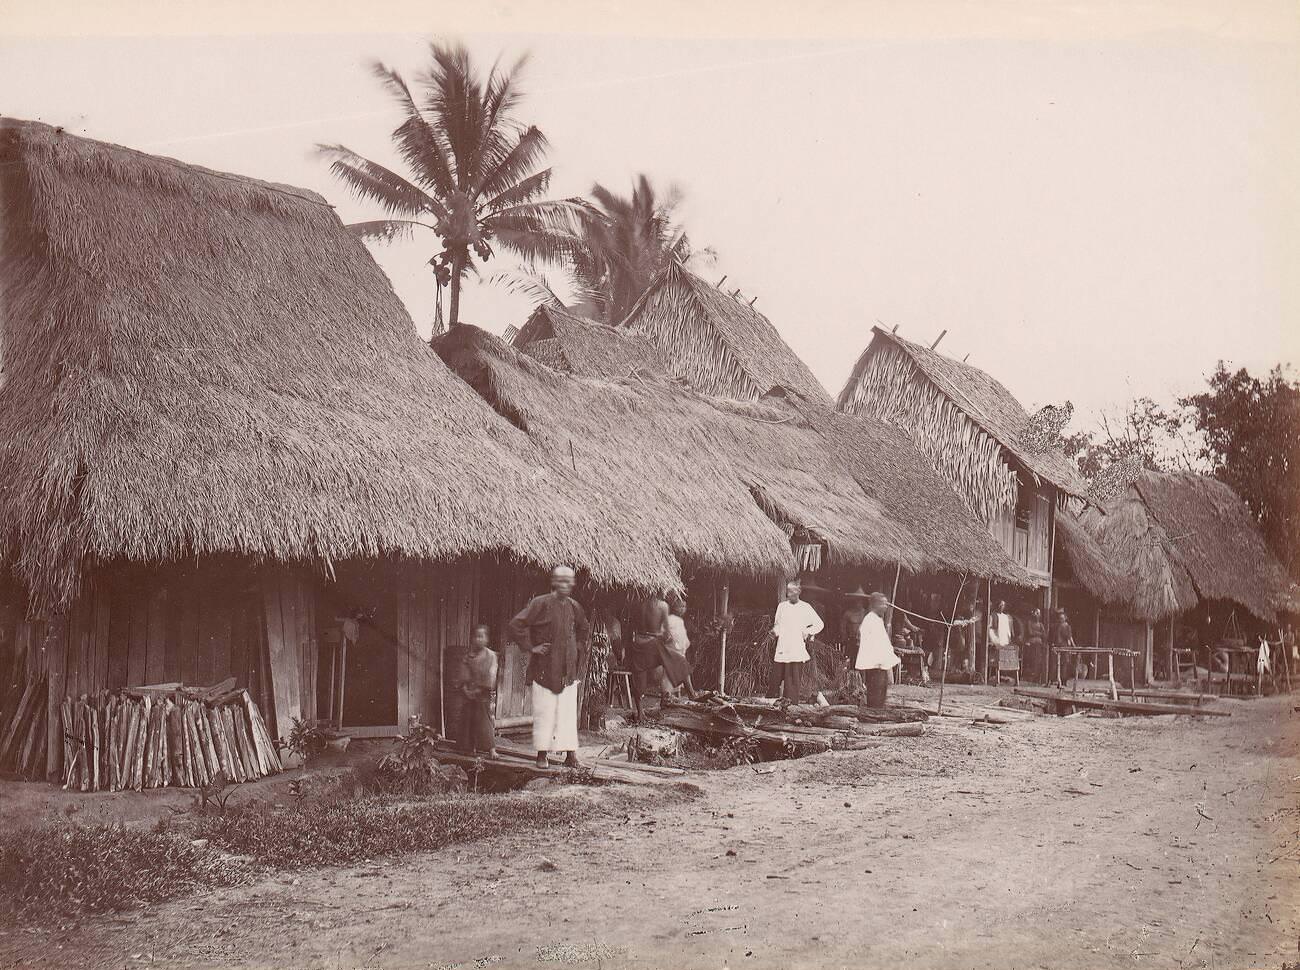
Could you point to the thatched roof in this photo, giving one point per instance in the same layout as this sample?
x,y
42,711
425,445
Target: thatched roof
x,y
727,484
717,343
195,362
576,345
981,398
1172,540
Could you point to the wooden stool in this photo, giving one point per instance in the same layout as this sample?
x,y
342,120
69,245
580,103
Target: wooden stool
x,y
624,677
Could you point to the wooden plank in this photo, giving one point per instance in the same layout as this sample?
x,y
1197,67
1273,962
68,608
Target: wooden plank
x,y
155,661
54,647
417,650
402,601
305,598
1124,707
100,640
119,633
237,618
137,604
286,683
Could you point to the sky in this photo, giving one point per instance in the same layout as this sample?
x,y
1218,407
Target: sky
x,y
1095,200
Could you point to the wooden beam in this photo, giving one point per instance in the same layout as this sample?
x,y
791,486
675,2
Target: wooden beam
x,y
1124,707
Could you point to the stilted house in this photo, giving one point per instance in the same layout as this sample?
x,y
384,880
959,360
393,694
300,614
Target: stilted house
x,y
717,342
575,345
970,427
1166,566
745,493
220,437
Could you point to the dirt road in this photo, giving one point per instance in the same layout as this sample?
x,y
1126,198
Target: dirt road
x,y
1057,843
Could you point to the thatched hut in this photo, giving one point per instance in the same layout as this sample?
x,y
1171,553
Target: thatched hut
x,y
718,343
1173,543
757,488
970,427
570,343
219,432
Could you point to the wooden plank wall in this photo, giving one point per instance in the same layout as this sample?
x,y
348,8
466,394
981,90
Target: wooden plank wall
x,y
192,623
439,605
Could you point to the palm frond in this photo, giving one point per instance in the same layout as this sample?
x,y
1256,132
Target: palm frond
x,y
370,180
516,163
417,140
530,283
387,230
521,192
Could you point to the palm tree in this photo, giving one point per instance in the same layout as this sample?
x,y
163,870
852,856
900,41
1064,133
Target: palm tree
x,y
472,179
619,246
626,242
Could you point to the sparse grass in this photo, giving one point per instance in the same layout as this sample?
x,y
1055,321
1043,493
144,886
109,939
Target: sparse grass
x,y
344,832
63,869
66,869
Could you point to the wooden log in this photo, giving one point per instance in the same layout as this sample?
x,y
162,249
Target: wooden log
x,y
15,734
1123,707
267,746
137,769
229,764
891,730
189,750
32,761
175,749
164,750
218,690
201,764
245,768
245,714
210,754
93,715
243,738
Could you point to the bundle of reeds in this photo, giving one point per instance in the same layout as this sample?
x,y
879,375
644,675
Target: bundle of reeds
x,y
166,735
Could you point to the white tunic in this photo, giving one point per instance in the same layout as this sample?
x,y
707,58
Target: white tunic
x,y
1000,630
875,652
680,640
795,623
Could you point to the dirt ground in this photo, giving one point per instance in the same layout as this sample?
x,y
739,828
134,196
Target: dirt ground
x,y
1053,842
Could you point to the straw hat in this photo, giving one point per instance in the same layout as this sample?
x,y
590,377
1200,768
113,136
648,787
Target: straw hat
x,y
858,593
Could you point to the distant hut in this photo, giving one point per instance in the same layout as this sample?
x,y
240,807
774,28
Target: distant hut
x,y
575,345
219,433
717,343
970,427
1175,547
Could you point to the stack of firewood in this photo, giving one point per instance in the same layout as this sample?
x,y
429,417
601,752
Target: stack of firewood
x,y
23,730
788,729
166,734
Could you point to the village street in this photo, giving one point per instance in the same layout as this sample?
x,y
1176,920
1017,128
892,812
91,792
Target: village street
x,y
1053,842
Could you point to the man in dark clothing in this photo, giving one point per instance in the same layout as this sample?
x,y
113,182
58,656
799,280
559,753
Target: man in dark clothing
x,y
554,630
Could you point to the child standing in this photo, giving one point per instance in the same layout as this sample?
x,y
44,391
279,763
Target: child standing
x,y
477,731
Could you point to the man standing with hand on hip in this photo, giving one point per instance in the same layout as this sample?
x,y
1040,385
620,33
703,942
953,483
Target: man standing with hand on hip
x,y
554,630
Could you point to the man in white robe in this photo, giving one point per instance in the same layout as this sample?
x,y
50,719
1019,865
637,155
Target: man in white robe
x,y
554,630
876,657
796,623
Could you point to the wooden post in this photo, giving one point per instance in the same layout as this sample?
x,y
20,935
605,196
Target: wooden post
x,y
943,676
1148,654
897,671
722,660
1173,657
988,620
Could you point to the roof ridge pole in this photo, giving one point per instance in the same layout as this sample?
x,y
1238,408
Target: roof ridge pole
x,y
938,338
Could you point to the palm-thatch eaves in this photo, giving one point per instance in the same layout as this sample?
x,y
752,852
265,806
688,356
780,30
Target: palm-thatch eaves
x,y
1170,541
197,363
729,485
570,343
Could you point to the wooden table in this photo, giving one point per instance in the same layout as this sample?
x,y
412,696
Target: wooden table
x,y
1110,654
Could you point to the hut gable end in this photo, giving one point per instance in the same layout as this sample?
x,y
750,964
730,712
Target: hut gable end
x,y
716,343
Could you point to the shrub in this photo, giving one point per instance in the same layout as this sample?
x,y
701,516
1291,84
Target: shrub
x,y
67,869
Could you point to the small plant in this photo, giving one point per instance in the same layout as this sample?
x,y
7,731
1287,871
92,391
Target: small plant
x,y
215,794
307,740
412,769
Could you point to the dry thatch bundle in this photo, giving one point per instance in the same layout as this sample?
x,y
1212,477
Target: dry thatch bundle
x,y
196,362
730,485
715,342
969,425
575,345
1172,540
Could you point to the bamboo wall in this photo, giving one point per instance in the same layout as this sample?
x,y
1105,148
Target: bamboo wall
x,y
200,623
